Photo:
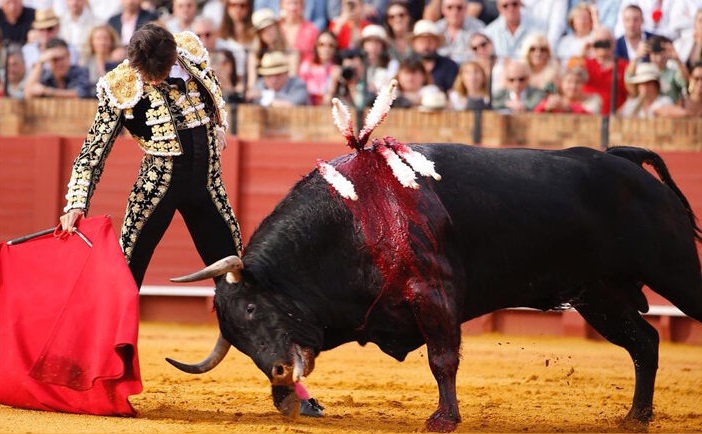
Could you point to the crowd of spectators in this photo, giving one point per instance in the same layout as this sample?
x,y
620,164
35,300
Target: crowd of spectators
x,y
639,58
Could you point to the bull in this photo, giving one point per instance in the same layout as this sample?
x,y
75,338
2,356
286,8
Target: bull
x,y
403,263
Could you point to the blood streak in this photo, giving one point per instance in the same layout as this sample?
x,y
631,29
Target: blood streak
x,y
403,229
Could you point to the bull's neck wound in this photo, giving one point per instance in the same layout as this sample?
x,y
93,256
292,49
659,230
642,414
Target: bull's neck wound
x,y
401,228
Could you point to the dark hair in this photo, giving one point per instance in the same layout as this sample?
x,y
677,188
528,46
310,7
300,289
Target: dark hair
x,y
337,58
56,42
656,43
152,51
233,78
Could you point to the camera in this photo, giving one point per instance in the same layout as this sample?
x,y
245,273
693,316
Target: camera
x,y
348,73
656,44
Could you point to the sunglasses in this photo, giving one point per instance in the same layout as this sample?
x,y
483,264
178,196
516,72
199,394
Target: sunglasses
x,y
508,5
204,35
515,79
535,48
696,78
237,5
454,7
326,44
49,29
482,44
398,15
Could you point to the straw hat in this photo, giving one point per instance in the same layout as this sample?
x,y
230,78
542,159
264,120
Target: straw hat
x,y
263,18
374,31
644,73
273,63
427,28
433,100
44,19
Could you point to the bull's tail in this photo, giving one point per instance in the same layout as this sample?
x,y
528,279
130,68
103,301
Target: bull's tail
x,y
644,156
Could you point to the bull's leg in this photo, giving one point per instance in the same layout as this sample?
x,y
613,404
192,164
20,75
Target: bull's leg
x,y
437,321
622,325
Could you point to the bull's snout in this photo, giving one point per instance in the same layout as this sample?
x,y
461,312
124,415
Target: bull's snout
x,y
281,374
286,401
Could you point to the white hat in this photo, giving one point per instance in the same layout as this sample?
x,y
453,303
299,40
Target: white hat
x,y
426,28
374,31
645,72
433,100
273,63
263,18
45,19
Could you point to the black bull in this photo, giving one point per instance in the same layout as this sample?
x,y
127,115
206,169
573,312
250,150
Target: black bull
x,y
404,267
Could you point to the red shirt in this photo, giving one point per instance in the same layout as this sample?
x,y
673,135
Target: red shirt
x,y
343,36
600,82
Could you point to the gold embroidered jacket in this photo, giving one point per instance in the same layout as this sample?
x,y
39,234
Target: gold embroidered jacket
x,y
124,100
153,114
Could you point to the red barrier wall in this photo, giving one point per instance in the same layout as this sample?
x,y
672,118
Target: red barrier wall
x,y
34,172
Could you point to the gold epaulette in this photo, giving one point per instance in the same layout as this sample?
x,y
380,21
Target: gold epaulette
x,y
123,86
190,47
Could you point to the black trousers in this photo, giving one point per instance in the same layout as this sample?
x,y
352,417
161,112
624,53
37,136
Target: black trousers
x,y
187,194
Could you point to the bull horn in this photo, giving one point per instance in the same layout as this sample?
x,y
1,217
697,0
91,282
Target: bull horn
x,y
217,355
230,264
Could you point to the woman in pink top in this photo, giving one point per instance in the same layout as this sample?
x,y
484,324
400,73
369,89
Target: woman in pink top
x,y
348,26
300,33
319,71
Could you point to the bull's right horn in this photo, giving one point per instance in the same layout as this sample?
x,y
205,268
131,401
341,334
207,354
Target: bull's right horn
x,y
230,264
217,355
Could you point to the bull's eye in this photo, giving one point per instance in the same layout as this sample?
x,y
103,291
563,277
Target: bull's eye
x,y
250,308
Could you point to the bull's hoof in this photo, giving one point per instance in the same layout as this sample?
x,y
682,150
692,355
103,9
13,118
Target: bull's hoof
x,y
289,406
439,422
637,420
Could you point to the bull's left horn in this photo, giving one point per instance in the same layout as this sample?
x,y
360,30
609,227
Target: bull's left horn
x,y
217,355
230,264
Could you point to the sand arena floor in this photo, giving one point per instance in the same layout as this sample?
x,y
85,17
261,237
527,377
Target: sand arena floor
x,y
505,384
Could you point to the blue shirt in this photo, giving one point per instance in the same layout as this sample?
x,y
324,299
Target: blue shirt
x,y
77,78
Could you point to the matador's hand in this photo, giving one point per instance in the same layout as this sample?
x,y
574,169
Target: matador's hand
x,y
221,140
68,220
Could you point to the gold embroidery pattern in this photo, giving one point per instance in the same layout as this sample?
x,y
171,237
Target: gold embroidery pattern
x,y
123,85
150,187
90,162
190,46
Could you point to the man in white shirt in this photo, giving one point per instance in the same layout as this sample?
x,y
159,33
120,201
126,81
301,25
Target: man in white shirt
x,y
508,31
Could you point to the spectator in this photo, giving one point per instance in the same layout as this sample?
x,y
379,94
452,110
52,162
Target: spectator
x,y
237,25
432,9
582,19
544,69
315,11
412,81
517,96
205,30
634,36
276,87
646,100
570,97
674,74
692,104
61,79
350,86
600,69
75,26
105,9
457,28
104,54
607,11
470,90
300,34
484,52
666,18
380,68
509,30
398,24
426,40
46,26
371,10
550,17
16,73
15,21
224,66
322,70
182,17
269,37
347,26
130,19
689,44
